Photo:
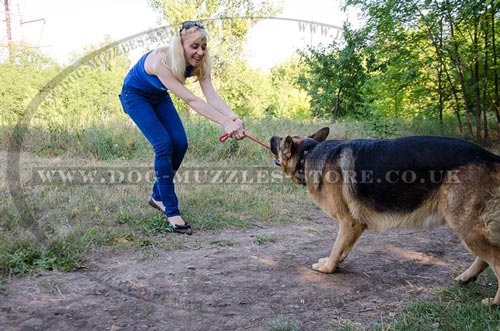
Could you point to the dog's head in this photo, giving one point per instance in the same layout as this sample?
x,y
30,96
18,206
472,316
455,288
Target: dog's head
x,y
289,152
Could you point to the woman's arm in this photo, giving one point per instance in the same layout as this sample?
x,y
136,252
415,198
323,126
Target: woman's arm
x,y
214,99
217,102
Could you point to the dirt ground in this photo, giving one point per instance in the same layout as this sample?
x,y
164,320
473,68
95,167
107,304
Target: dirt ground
x,y
243,286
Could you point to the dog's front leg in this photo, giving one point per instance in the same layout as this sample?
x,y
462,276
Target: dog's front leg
x,y
349,232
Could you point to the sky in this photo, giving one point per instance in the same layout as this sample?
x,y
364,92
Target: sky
x,y
61,27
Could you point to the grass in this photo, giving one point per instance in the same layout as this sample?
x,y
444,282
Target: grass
x,y
81,219
262,239
223,243
457,308
283,323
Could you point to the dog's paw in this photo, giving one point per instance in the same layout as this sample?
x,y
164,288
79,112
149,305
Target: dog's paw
x,y
465,279
322,267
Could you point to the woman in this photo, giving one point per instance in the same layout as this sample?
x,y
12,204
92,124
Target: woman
x,y
145,98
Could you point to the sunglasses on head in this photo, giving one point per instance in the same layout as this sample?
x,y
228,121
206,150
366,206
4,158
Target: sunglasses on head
x,y
189,24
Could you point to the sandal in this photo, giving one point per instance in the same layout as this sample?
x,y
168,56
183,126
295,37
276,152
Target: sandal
x,y
184,229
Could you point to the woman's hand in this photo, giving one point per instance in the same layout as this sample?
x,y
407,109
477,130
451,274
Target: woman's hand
x,y
235,128
239,122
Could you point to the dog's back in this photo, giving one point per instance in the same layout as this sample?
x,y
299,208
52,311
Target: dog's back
x,y
397,175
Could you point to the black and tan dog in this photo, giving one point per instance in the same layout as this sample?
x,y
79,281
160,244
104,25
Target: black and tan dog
x,y
412,182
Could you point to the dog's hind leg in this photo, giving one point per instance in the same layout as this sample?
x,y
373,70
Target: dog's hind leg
x,y
487,253
349,232
470,275
496,299
471,207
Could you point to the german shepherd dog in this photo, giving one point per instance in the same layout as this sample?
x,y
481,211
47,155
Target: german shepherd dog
x,y
412,182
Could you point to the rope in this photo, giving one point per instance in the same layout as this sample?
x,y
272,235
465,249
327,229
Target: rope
x,y
225,136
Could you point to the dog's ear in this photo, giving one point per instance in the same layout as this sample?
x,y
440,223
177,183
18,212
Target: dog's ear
x,y
321,134
288,147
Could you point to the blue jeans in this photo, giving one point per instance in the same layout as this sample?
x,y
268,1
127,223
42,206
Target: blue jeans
x,y
159,122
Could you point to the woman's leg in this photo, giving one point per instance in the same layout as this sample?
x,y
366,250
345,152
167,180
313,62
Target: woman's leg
x,y
171,121
142,112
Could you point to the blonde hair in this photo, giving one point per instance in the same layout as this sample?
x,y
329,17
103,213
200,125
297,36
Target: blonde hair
x,y
175,61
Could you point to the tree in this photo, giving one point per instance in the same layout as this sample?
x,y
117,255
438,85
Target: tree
x,y
336,75
456,39
289,99
21,76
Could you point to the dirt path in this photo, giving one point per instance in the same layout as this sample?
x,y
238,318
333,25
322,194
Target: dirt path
x,y
243,286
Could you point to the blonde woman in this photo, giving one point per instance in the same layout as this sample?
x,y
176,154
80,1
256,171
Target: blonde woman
x,y
145,98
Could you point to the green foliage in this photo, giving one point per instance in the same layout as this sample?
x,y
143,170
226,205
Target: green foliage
x,y
402,66
419,60
84,98
247,91
211,217
20,79
255,95
439,316
380,127
432,59
289,99
336,76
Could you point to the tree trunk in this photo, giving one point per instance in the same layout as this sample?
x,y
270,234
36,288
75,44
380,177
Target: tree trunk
x,y
496,102
456,98
485,80
455,58
337,107
475,83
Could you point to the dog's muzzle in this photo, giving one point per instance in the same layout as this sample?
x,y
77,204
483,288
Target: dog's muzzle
x,y
277,162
